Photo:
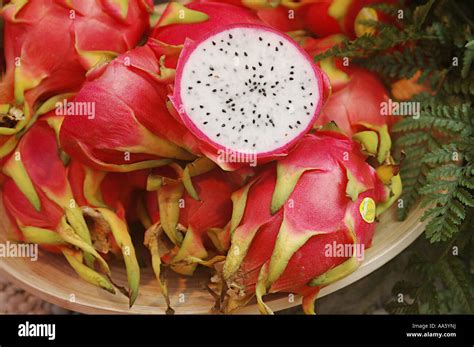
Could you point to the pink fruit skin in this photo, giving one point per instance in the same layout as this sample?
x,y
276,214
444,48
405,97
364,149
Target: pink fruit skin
x,y
319,203
356,103
208,146
47,174
220,14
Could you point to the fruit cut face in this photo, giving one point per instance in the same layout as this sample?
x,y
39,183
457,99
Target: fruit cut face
x,y
248,89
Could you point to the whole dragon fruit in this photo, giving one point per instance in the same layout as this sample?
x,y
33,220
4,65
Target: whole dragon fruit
x,y
91,33
46,209
196,228
287,222
356,109
183,232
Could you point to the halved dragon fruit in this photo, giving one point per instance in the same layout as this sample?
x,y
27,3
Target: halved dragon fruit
x,y
245,90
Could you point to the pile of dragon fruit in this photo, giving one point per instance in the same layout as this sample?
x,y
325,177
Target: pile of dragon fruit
x,y
209,125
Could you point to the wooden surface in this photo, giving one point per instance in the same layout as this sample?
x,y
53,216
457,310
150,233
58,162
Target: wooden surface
x,y
51,278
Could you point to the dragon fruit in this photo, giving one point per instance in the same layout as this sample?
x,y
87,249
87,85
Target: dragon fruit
x,y
356,109
196,228
41,200
236,91
139,131
91,33
322,194
183,232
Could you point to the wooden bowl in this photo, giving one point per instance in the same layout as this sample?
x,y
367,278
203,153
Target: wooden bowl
x,y
52,279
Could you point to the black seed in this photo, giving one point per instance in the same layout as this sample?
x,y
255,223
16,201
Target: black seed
x,y
253,121
268,44
246,67
242,109
289,126
259,63
242,126
221,49
281,43
259,116
302,87
208,113
211,68
289,101
260,76
292,72
201,106
228,43
260,39
222,125
277,82
292,67
190,88
208,85
311,104
236,54
198,82
223,111
210,75
254,68
291,78
246,141
298,122
276,49
230,36
205,123
271,69
274,94
305,107
245,53
214,90
213,43
218,135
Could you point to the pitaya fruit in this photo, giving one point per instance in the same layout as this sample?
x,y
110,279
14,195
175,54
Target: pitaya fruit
x,y
196,228
183,232
139,131
322,195
247,91
356,109
91,33
42,202
328,17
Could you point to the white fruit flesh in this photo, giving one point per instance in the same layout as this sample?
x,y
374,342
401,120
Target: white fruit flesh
x,y
249,89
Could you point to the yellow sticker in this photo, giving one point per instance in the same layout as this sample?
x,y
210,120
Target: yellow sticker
x,y
367,210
